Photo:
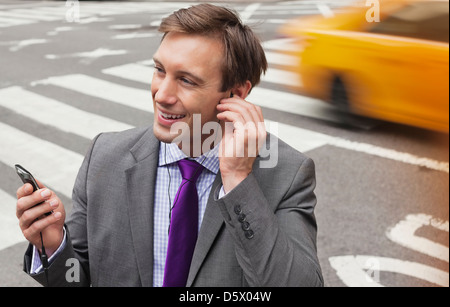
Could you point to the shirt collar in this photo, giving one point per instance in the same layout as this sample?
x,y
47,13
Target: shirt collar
x,y
171,153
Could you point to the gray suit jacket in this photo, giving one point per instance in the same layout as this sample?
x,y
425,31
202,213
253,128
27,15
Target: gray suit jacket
x,y
110,229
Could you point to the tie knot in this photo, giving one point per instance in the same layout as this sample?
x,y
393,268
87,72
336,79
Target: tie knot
x,y
190,170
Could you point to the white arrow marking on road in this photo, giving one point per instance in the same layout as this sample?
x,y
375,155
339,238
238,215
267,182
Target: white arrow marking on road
x,y
350,270
404,234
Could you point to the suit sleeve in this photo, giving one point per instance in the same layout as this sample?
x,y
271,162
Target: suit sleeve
x,y
275,247
75,272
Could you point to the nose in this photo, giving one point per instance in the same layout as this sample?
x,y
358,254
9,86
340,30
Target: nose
x,y
164,91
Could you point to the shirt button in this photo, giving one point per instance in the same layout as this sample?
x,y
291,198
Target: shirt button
x,y
249,234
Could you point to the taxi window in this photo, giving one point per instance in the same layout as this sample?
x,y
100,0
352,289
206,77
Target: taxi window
x,y
418,20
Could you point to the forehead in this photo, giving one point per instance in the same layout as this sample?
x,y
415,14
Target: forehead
x,y
199,54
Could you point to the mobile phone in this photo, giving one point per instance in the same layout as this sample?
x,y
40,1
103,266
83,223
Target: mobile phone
x,y
26,177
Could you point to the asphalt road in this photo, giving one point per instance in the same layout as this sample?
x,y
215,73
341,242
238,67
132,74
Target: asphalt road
x,y
382,215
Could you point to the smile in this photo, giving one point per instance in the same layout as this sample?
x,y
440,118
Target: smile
x,y
171,116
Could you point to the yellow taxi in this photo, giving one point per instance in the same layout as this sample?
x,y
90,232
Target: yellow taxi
x,y
388,60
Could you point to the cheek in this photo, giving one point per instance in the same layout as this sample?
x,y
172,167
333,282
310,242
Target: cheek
x,y
201,105
154,86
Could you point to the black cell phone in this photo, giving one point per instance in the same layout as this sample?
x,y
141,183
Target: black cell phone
x,y
26,177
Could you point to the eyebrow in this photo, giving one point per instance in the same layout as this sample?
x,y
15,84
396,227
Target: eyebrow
x,y
196,78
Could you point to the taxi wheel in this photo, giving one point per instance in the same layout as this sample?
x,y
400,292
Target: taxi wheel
x,y
339,98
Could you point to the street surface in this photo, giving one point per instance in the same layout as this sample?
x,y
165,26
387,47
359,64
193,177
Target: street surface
x,y
383,191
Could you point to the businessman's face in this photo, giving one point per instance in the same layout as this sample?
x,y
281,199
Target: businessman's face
x,y
187,81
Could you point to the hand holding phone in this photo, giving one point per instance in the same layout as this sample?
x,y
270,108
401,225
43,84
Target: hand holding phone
x,y
44,216
26,177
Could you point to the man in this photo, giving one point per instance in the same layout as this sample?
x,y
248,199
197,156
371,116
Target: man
x,y
254,226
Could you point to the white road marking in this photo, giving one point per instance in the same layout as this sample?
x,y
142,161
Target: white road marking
x,y
325,10
133,71
283,77
56,114
350,269
9,226
292,103
41,158
278,58
249,11
19,15
283,45
88,56
18,45
134,35
404,234
7,22
128,96
391,154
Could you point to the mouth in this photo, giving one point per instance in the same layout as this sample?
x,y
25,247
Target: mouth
x,y
169,116
167,119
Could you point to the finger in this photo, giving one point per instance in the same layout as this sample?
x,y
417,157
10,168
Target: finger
x,y
26,202
248,110
38,212
24,190
39,225
230,116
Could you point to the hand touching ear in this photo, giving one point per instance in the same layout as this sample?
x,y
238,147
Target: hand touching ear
x,y
243,136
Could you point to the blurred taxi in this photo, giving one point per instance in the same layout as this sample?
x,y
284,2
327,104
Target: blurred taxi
x,y
395,69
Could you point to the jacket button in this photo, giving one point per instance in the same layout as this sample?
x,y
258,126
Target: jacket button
x,y
249,234
241,217
245,225
237,209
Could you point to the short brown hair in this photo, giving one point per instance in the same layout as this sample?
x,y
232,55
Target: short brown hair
x,y
244,56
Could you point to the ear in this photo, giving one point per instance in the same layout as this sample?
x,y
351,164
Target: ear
x,y
242,91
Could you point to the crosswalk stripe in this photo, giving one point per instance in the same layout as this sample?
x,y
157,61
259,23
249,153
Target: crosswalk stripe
x,y
55,165
301,139
19,16
277,76
292,103
59,115
128,96
283,45
133,71
4,21
9,226
278,58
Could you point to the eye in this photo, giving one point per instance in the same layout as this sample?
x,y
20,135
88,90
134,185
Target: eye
x,y
187,81
159,70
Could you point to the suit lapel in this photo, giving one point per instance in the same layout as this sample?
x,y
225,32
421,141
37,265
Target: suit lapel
x,y
141,182
211,225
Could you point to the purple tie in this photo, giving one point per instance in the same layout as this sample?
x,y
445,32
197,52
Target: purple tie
x,y
183,226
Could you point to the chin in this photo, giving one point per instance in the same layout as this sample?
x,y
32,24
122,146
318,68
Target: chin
x,y
163,134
